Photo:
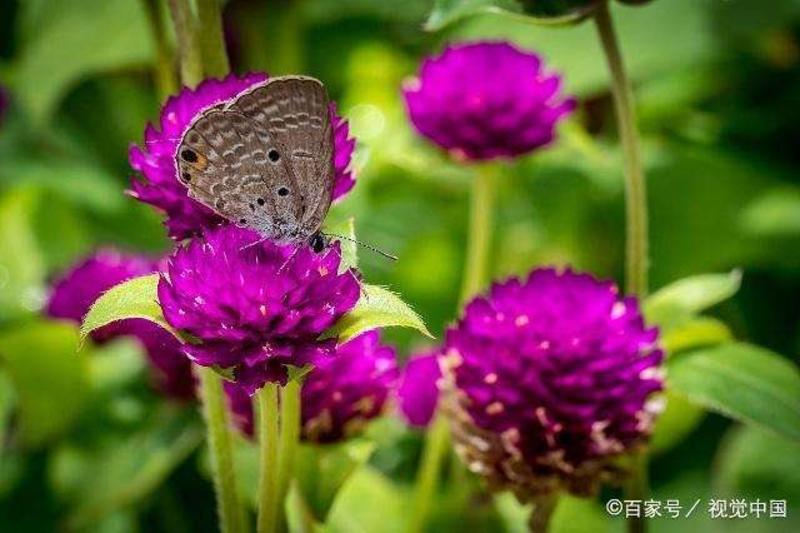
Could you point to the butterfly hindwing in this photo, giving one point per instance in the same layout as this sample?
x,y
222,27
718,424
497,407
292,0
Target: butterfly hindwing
x,y
294,110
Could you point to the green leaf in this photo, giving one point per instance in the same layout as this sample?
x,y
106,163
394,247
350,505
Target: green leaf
x,y
50,379
688,296
542,12
368,501
377,308
697,332
445,12
775,213
677,420
135,298
346,228
743,381
322,470
112,36
22,270
572,515
133,469
757,463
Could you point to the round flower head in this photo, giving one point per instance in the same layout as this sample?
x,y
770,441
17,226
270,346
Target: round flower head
x,y
418,393
161,188
486,100
256,306
74,293
339,395
546,380
342,393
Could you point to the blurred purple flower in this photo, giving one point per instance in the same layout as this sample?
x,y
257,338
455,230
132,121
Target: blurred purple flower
x,y
418,393
485,100
257,307
74,293
185,217
549,378
340,394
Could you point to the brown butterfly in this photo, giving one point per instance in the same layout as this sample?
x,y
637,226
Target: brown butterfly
x,y
264,159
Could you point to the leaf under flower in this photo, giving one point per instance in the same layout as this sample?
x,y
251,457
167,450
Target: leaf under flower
x,y
377,308
135,298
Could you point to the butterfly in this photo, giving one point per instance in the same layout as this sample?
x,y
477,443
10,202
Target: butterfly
x,y
264,159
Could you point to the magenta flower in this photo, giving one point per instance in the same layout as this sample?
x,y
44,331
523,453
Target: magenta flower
x,y
257,307
185,217
75,291
486,100
418,393
340,394
549,378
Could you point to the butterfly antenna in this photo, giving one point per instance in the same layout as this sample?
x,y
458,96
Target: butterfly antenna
x,y
365,245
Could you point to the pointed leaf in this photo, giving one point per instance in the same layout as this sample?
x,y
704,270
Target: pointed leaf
x,y
322,470
135,298
377,308
745,382
680,300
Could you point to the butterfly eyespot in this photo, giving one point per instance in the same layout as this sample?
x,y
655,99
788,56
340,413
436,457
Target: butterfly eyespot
x,y
273,155
242,221
189,155
252,207
186,176
283,191
260,201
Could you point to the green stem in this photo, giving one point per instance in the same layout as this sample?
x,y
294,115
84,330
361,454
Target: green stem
x,y
290,436
268,480
480,232
230,512
436,446
635,188
189,58
475,277
636,258
543,509
637,488
212,41
163,72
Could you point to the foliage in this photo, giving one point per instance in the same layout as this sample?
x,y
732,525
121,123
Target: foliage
x,y
86,439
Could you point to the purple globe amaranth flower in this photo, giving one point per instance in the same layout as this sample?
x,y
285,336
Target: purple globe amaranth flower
x,y
256,307
418,393
186,217
547,380
339,395
344,392
74,293
486,100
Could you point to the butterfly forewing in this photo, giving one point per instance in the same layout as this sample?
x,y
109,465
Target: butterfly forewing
x,y
294,110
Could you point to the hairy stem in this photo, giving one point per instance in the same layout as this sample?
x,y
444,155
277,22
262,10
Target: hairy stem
x,y
542,512
636,258
480,232
268,479
290,436
211,38
163,71
230,512
189,58
635,188
436,445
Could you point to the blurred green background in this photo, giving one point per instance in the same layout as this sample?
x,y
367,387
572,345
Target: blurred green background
x,y
87,443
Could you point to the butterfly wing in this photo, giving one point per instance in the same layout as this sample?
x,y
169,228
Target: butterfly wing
x,y
223,159
294,112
